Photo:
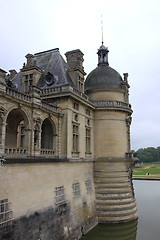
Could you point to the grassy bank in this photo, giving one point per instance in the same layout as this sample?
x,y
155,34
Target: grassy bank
x,y
147,170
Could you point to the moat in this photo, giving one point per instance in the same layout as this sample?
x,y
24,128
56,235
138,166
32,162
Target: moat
x,y
146,228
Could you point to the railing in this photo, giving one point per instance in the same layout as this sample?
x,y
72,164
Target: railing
x,y
75,154
21,96
111,104
67,88
15,150
131,154
47,152
80,93
88,155
27,98
47,91
49,107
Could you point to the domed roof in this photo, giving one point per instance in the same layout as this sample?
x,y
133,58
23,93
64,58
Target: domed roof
x,y
103,77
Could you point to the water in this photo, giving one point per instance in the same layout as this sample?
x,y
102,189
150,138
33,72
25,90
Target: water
x,y
148,225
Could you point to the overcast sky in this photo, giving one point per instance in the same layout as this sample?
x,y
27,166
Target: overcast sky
x,y
131,32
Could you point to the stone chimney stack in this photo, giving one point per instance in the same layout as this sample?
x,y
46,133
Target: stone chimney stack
x,y
2,79
30,60
76,72
12,73
75,59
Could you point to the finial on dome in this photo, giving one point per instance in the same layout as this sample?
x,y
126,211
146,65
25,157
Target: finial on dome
x,y
102,28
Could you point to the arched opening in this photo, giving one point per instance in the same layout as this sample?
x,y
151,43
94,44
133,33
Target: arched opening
x,y
47,135
16,132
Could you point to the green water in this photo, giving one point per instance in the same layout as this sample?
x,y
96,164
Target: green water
x,y
121,231
147,227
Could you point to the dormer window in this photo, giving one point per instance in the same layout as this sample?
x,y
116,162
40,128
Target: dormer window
x,y
28,82
80,84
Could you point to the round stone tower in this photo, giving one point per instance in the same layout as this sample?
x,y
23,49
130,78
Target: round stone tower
x,y
113,160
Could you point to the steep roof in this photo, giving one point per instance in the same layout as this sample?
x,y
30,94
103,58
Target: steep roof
x,y
52,62
54,70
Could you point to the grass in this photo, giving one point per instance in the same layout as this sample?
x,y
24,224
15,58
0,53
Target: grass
x,y
142,170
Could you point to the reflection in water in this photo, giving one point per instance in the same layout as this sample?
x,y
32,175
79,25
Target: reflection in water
x,y
113,231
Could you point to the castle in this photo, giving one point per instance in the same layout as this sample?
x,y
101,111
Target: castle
x,y
64,147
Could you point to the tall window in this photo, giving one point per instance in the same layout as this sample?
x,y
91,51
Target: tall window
x,y
60,195
75,138
76,105
5,213
88,112
80,84
88,184
28,82
76,189
88,140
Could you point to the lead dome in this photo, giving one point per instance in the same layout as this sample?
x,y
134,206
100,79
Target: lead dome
x,y
103,76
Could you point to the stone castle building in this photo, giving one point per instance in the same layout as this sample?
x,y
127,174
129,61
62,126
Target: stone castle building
x,y
64,147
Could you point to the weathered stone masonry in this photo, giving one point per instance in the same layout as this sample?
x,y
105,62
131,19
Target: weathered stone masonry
x,y
64,147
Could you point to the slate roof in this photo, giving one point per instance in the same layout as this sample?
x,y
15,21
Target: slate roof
x,y
51,63
103,77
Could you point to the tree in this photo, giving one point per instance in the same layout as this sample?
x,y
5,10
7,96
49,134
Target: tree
x,y
149,154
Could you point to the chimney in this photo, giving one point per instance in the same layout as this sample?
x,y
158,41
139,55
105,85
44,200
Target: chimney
x,y
12,73
75,59
30,60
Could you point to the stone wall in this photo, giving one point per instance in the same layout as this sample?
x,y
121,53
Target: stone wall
x,y
37,215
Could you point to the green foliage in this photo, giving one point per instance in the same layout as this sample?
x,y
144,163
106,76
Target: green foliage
x,y
142,170
149,154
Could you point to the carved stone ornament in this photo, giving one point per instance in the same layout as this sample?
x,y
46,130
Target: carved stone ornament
x,y
37,120
128,121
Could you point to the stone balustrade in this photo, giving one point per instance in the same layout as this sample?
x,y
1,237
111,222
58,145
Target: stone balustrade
x,y
48,91
47,152
131,155
15,150
27,98
50,107
112,104
67,88
19,95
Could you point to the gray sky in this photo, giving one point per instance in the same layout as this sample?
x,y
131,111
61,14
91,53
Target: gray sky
x,y
131,32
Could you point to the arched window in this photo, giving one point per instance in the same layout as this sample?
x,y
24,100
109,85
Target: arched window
x,y
47,135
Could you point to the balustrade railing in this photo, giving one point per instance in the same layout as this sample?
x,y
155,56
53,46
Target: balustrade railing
x,y
50,107
131,154
48,91
110,103
15,150
47,152
21,96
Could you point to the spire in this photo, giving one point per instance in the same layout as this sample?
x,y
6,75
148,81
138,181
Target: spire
x,y
102,28
102,51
